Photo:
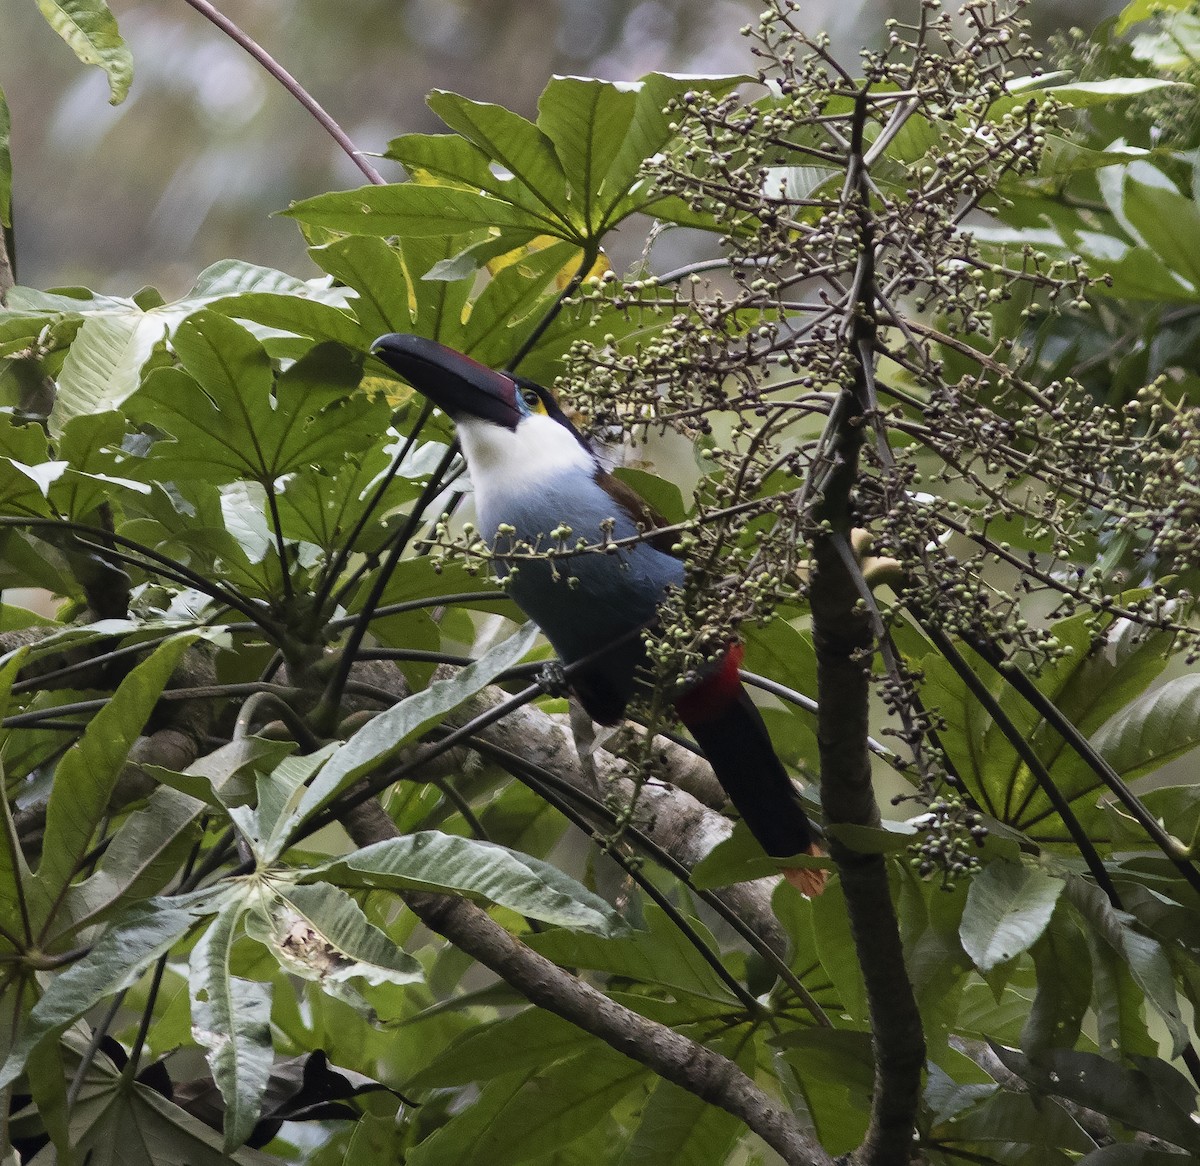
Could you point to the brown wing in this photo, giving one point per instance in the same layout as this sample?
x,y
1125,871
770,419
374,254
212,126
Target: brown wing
x,y
640,511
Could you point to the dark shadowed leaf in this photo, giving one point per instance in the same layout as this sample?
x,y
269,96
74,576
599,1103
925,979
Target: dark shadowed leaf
x,y
128,946
519,1117
1144,957
1154,1097
85,776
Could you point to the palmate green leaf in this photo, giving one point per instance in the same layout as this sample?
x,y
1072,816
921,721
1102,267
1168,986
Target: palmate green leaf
x,y
320,933
1154,1097
586,121
414,211
236,277
985,773
117,959
144,855
90,29
439,305
129,1124
231,1019
574,174
393,293
1157,728
296,314
20,495
104,363
322,509
488,246
447,159
275,300
521,1117
378,273
522,149
1091,684
90,445
504,312
25,470
231,418
662,955
1008,908
1144,957
621,191
1088,686
84,778
835,1071
382,737
481,871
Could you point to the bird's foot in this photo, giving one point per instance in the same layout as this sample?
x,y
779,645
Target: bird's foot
x,y
552,679
808,880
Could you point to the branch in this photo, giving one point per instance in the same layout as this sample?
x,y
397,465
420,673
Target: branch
x,y
289,83
844,644
670,817
691,1066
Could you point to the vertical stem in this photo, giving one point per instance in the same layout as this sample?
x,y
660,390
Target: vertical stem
x,y
844,643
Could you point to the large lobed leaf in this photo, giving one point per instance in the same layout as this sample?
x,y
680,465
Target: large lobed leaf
x,y
118,958
231,1019
573,174
231,418
483,871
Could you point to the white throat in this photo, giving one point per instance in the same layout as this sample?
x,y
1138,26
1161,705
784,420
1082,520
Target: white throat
x,y
506,462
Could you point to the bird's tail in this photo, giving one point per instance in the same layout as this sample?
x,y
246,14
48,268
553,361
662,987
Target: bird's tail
x,y
730,730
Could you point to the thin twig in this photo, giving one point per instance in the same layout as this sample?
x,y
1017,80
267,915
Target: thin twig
x,y
293,86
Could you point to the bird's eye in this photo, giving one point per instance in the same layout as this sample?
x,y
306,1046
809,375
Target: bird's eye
x,y
531,399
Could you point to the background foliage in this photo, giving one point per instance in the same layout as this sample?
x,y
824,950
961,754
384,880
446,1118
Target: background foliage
x,y
257,545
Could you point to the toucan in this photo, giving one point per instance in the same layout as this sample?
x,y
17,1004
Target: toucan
x,y
537,482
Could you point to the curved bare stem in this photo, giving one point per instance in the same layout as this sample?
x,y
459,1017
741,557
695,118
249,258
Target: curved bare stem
x,y
306,99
